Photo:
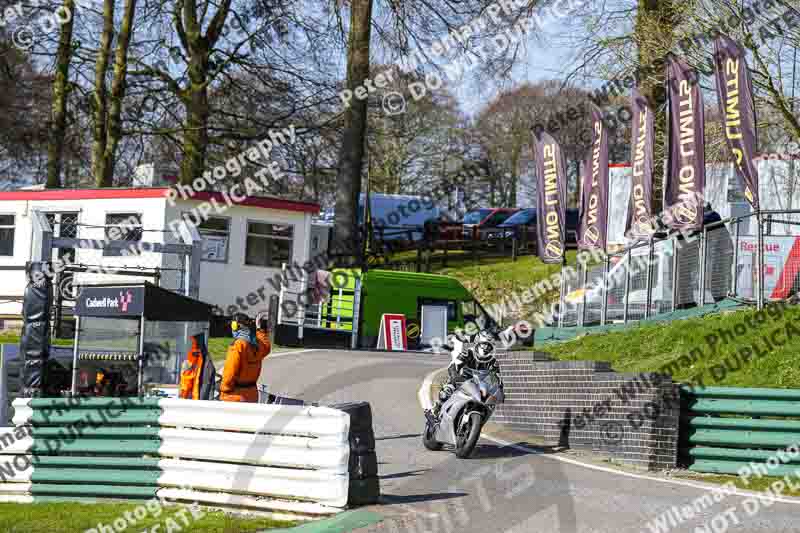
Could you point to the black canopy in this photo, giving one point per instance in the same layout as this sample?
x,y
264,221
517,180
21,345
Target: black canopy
x,y
125,300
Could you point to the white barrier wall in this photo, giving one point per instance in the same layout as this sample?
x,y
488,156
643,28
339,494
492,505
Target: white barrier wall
x,y
283,459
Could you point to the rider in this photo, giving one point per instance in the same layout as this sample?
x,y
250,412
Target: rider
x,y
472,349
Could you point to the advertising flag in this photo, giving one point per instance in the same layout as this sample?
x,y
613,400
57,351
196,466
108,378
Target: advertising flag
x,y
685,180
735,95
639,223
586,189
551,195
594,218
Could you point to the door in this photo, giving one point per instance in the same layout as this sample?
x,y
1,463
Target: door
x,y
434,324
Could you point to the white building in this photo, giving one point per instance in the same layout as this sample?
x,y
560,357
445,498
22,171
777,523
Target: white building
x,y
244,245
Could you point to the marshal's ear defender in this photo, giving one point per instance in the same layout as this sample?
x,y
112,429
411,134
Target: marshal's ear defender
x,y
234,325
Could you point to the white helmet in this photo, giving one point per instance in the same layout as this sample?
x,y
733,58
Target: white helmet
x,y
484,349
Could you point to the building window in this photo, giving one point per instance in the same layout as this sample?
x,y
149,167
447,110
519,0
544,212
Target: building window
x,y
216,234
268,245
125,227
6,235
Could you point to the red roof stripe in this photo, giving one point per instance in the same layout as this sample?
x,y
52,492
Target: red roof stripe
x,y
160,192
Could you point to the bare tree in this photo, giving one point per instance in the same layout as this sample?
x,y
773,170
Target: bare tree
x,y
108,110
61,87
348,178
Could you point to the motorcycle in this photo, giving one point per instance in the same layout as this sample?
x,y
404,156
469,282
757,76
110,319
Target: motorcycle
x,y
462,417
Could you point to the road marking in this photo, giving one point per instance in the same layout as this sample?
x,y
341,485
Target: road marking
x,y
292,352
425,401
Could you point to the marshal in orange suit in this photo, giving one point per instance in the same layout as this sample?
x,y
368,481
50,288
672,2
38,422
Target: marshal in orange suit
x,y
243,363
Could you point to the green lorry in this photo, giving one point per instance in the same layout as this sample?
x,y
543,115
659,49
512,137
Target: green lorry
x,y
362,298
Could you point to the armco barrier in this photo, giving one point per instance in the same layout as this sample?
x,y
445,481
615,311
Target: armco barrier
x,y
290,460
726,428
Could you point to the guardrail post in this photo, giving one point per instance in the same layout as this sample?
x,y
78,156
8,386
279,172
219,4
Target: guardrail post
x,y
584,282
356,306
760,262
604,308
649,296
702,276
514,245
74,381
735,273
561,305
627,288
674,273
4,399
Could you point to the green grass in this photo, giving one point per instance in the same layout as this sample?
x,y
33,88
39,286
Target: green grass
x,y
217,347
12,338
647,348
78,517
493,280
760,484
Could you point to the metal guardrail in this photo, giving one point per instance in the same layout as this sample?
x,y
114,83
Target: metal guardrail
x,y
726,428
682,271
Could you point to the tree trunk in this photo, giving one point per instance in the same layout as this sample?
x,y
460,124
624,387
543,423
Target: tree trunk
x,y
351,155
195,98
118,86
655,30
100,110
195,136
55,148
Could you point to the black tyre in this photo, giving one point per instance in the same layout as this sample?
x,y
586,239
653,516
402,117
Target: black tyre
x,y
429,438
468,436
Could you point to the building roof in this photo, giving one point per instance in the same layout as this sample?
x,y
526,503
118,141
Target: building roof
x,y
153,192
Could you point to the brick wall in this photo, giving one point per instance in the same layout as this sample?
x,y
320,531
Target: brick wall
x,y
586,405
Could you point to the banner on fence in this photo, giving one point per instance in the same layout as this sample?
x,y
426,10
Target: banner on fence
x,y
551,193
639,218
735,96
594,215
685,178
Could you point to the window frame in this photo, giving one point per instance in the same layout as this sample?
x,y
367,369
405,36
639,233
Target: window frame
x,y
13,229
247,235
229,221
120,253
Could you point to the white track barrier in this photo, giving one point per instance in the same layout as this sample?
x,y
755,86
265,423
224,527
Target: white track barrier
x,y
278,458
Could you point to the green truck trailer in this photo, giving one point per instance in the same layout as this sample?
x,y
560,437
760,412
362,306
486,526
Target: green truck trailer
x,y
350,317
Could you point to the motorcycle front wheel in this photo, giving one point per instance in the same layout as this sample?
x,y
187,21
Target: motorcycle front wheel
x,y
429,438
468,436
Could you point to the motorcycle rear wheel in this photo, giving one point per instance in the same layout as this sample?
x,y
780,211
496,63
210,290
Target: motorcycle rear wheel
x,y
429,438
468,438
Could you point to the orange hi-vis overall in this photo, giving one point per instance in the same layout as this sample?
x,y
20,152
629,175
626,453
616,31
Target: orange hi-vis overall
x,y
190,372
242,369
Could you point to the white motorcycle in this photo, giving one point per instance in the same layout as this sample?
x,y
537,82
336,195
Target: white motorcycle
x,y
462,416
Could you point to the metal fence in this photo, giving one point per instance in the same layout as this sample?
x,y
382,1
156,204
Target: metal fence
x,y
666,274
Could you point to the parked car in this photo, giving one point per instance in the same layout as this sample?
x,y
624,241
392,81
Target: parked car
x,y
523,224
478,222
443,229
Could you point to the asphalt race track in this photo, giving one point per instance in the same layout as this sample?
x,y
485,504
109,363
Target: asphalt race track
x,y
500,489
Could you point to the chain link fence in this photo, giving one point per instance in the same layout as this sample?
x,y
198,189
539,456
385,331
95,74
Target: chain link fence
x,y
666,274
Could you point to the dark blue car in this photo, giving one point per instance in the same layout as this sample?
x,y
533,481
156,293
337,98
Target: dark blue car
x,y
523,223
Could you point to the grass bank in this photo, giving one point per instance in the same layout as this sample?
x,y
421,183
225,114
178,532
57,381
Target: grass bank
x,y
68,517
494,280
